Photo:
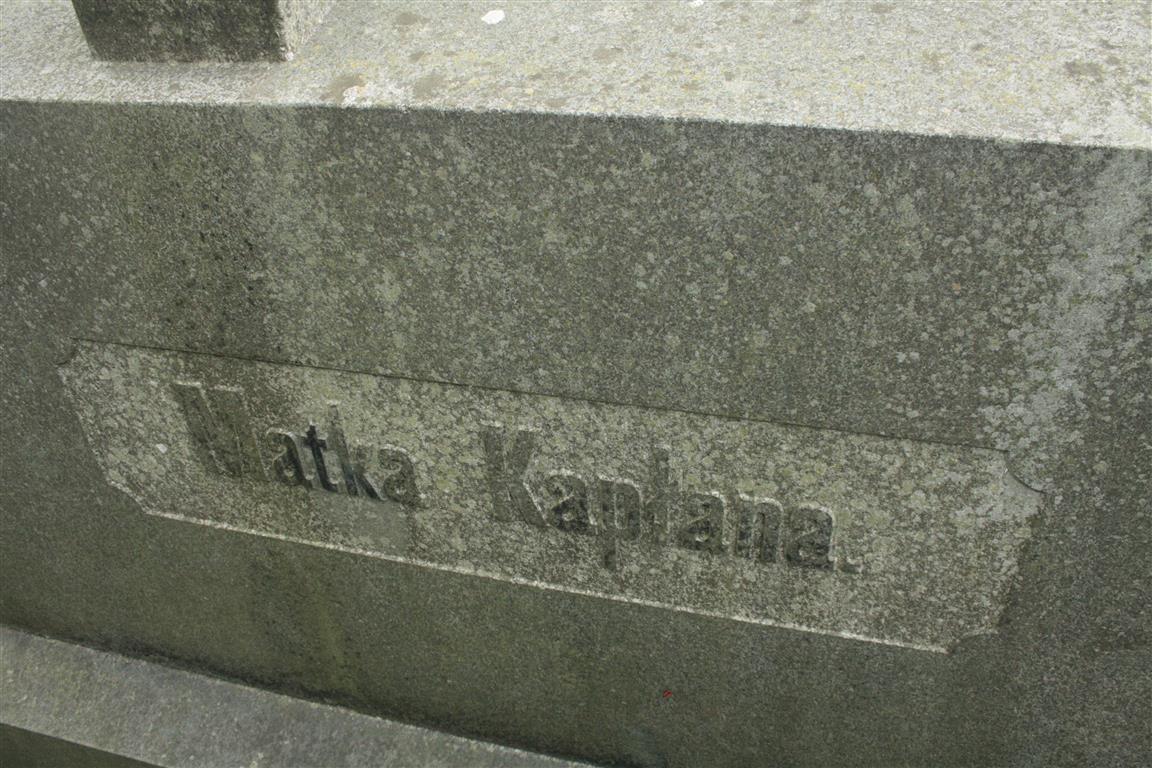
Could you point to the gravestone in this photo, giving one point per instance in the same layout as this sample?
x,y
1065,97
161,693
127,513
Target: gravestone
x,y
676,384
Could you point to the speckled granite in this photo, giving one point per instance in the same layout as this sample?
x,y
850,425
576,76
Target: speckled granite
x,y
112,706
1067,72
924,537
730,301
196,30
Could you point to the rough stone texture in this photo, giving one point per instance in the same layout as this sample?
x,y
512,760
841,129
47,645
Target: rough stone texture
x,y
197,30
110,706
1067,72
28,749
925,535
759,262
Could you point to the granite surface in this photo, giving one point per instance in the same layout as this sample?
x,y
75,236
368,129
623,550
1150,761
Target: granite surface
x,y
938,262
114,707
1067,72
29,749
196,30
923,539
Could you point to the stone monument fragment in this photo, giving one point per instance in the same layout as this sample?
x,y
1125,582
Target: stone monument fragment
x,y
676,384
198,30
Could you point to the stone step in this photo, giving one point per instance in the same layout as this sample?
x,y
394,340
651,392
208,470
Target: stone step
x,y
117,710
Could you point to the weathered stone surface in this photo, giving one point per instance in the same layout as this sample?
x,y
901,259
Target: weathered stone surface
x,y
126,712
889,540
198,30
967,281
1078,74
29,749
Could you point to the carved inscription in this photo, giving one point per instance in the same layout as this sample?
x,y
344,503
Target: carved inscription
x,y
220,427
658,512
888,540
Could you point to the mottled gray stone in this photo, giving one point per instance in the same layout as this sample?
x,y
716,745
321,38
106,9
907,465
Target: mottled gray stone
x,y
197,30
1030,70
923,538
918,295
101,709
29,749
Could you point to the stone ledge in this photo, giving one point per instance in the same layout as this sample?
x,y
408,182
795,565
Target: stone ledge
x,y
1079,72
58,699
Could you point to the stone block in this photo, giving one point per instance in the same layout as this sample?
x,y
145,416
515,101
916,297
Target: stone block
x,y
655,384
197,30
67,705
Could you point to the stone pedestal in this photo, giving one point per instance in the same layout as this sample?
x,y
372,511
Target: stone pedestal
x,y
656,384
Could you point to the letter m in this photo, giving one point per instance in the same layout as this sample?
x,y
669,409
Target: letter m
x,y
221,430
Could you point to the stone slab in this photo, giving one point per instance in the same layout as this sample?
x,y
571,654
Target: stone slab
x,y
29,749
197,30
1031,70
736,264
893,541
64,704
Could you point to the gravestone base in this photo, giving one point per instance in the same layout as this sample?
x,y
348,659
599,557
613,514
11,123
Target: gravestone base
x,y
67,705
659,384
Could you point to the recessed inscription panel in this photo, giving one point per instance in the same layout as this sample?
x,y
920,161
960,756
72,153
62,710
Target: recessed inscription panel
x,y
881,539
